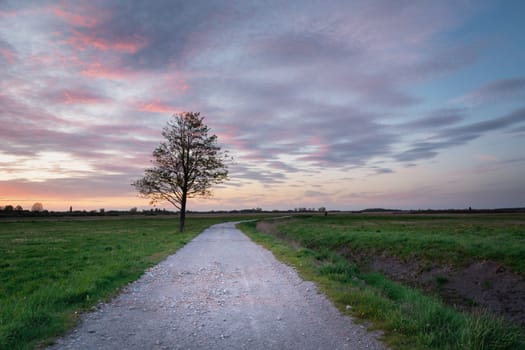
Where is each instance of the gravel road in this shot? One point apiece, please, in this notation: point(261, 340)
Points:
point(220, 291)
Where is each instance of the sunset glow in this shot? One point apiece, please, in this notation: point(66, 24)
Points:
point(336, 104)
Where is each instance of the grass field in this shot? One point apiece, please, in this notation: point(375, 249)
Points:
point(448, 239)
point(51, 269)
point(410, 318)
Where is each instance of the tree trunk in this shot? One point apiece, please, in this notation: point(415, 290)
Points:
point(182, 217)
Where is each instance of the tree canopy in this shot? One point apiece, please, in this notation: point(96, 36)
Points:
point(37, 207)
point(185, 165)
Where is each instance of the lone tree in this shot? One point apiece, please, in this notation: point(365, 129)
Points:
point(185, 165)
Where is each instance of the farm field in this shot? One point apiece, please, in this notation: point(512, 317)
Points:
point(429, 281)
point(50, 270)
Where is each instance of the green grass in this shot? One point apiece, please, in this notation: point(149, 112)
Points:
point(51, 270)
point(409, 319)
point(449, 239)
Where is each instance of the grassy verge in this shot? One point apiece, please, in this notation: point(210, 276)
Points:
point(51, 270)
point(409, 319)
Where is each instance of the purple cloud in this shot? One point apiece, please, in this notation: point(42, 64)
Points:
point(437, 119)
point(448, 137)
point(495, 91)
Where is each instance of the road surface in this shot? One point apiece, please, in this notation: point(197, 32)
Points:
point(220, 291)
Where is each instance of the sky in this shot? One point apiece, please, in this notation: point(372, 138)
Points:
point(339, 104)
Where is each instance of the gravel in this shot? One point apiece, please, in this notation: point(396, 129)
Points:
point(220, 291)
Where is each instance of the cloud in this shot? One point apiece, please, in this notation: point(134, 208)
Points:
point(380, 171)
point(111, 71)
point(86, 25)
point(300, 49)
point(292, 89)
point(26, 131)
point(316, 194)
point(48, 165)
point(437, 119)
point(78, 96)
point(156, 106)
point(72, 188)
point(496, 91)
point(448, 137)
point(130, 45)
point(248, 173)
point(7, 53)
point(518, 130)
point(282, 166)
point(282, 102)
point(152, 35)
point(79, 15)
point(475, 129)
point(421, 150)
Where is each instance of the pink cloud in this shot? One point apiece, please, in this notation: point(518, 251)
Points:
point(75, 19)
point(156, 106)
point(41, 60)
point(8, 13)
point(55, 56)
point(80, 97)
point(230, 136)
point(82, 41)
point(177, 85)
point(99, 70)
point(8, 55)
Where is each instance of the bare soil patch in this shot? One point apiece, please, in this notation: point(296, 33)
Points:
point(482, 284)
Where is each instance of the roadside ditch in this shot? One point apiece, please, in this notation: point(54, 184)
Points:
point(481, 285)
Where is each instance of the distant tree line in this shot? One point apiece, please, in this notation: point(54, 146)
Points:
point(310, 210)
point(10, 211)
point(18, 211)
point(36, 207)
point(466, 211)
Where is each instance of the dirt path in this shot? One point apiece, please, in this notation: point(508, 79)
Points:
point(221, 291)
